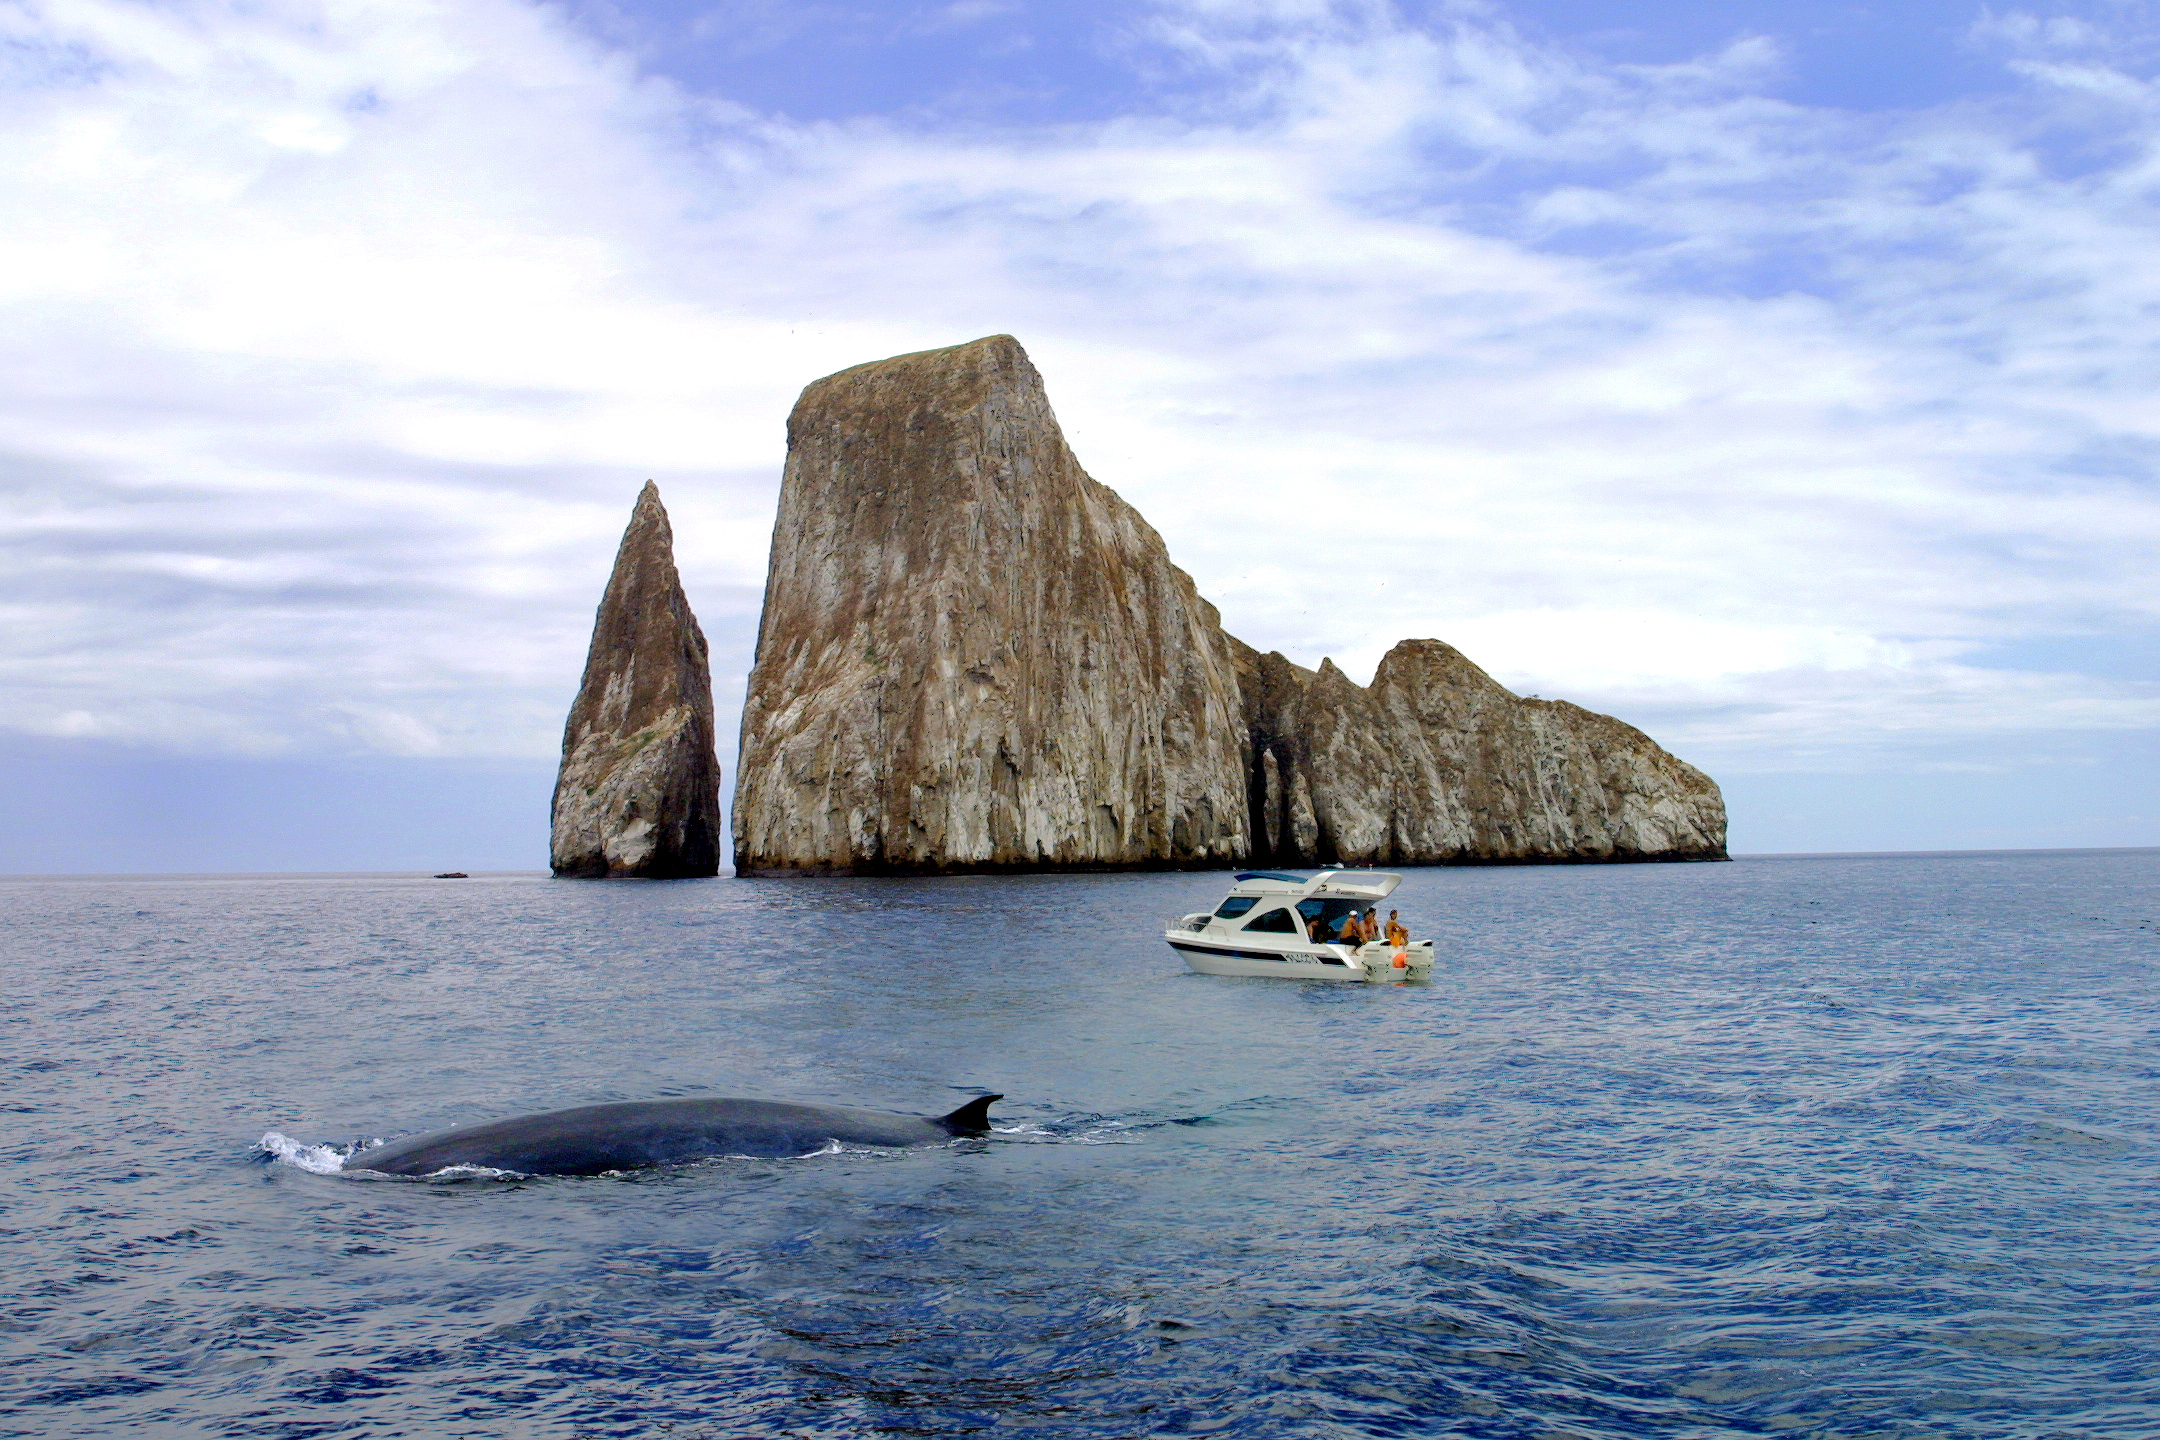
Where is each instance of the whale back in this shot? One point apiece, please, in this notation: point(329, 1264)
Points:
point(638, 1134)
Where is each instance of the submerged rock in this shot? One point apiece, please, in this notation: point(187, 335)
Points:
point(975, 657)
point(639, 790)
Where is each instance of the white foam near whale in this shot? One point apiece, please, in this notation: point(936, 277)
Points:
point(315, 1159)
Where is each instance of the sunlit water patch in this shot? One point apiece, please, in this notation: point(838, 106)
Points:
point(1857, 1147)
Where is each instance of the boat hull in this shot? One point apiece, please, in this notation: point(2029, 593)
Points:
point(1338, 963)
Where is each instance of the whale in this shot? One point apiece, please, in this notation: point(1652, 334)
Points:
point(641, 1134)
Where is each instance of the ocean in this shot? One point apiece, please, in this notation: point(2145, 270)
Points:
point(1805, 1147)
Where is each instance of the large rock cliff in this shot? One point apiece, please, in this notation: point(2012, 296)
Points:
point(639, 790)
point(975, 657)
point(1437, 763)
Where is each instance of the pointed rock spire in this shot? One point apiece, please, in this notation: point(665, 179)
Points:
point(639, 790)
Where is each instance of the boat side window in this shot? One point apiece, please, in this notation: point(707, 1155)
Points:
point(1278, 921)
point(1331, 913)
point(1235, 906)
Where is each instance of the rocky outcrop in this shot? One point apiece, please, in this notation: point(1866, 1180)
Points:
point(1437, 763)
point(974, 657)
point(639, 790)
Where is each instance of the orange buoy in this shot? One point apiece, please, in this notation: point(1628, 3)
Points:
point(1402, 961)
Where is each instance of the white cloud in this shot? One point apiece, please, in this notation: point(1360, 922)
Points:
point(337, 337)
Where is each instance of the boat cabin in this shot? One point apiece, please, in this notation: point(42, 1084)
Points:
point(1269, 902)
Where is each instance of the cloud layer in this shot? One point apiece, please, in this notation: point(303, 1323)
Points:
point(337, 338)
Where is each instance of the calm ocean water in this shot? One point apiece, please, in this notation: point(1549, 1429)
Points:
point(1802, 1147)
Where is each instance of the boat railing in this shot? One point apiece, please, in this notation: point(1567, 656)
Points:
point(1195, 921)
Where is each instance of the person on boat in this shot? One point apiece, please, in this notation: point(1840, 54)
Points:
point(1315, 931)
point(1397, 934)
point(1371, 926)
point(1352, 932)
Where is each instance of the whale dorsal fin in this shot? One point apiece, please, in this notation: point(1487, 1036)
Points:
point(972, 1118)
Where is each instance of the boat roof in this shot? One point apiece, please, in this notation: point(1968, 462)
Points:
point(1363, 884)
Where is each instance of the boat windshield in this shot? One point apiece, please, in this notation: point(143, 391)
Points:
point(1331, 913)
point(1235, 906)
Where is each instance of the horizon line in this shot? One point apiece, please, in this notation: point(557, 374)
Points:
point(730, 874)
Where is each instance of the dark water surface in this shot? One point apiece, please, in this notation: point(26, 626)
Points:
point(1803, 1147)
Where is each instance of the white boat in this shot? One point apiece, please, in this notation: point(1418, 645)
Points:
point(1265, 927)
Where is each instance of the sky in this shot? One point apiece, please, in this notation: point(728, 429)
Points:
point(1778, 377)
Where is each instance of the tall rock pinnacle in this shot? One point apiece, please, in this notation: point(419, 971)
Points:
point(639, 790)
point(974, 657)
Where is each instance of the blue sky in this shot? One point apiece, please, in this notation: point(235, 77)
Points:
point(1021, 63)
point(1777, 377)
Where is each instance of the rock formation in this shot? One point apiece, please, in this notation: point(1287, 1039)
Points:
point(639, 790)
point(1437, 763)
point(974, 657)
